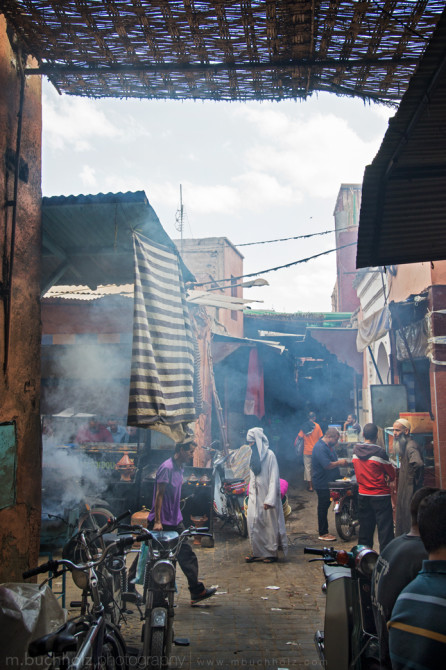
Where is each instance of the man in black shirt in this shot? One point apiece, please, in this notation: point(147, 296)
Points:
point(398, 564)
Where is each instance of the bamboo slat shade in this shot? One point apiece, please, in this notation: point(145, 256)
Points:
point(226, 50)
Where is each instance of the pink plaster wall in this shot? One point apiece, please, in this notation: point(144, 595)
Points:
point(410, 279)
point(20, 382)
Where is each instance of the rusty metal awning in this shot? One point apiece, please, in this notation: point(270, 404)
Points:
point(403, 209)
point(251, 50)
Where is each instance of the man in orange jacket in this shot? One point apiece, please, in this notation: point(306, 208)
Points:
point(307, 437)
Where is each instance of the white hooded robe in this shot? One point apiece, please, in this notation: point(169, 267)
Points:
point(266, 527)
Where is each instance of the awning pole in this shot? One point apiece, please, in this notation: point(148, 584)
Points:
point(374, 363)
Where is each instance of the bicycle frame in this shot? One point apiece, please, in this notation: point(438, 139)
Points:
point(92, 631)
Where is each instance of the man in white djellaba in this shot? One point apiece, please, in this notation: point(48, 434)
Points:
point(266, 522)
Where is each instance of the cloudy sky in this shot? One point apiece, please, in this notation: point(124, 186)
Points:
point(249, 172)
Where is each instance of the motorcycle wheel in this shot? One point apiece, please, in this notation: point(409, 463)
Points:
point(157, 658)
point(344, 523)
point(240, 519)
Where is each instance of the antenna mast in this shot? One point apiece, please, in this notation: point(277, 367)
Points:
point(179, 219)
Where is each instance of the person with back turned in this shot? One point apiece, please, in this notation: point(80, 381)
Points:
point(374, 472)
point(417, 627)
point(396, 566)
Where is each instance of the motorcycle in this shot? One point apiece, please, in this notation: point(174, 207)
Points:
point(158, 594)
point(229, 494)
point(344, 494)
point(349, 639)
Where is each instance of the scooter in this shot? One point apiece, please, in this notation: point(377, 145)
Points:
point(229, 494)
point(349, 640)
point(344, 494)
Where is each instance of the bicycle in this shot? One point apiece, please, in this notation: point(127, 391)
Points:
point(112, 574)
point(88, 641)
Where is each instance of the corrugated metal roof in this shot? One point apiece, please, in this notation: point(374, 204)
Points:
point(232, 50)
point(87, 239)
point(86, 293)
point(403, 207)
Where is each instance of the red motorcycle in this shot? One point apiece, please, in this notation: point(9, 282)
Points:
point(229, 494)
point(344, 494)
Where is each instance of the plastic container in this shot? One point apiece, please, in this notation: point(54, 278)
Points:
point(420, 422)
point(140, 518)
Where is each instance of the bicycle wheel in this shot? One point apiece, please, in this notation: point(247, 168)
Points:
point(94, 519)
point(114, 655)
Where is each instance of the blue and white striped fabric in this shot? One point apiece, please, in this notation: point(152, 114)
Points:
point(162, 372)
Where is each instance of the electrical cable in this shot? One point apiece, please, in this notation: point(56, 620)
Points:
point(297, 237)
point(279, 267)
point(285, 239)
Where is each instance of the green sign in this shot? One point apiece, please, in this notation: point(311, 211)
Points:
point(8, 462)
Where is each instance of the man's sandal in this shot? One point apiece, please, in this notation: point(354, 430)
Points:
point(270, 559)
point(252, 559)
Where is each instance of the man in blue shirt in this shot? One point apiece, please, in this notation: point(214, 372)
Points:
point(119, 433)
point(324, 465)
point(417, 628)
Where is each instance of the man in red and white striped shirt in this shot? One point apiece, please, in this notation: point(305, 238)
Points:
point(374, 472)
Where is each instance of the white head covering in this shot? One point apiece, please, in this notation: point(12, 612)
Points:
point(258, 436)
point(404, 422)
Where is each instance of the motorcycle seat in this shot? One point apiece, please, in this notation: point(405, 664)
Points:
point(335, 572)
point(342, 485)
point(237, 480)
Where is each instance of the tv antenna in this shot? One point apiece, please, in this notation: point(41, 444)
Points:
point(179, 219)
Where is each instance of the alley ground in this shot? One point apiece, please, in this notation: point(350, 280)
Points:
point(247, 624)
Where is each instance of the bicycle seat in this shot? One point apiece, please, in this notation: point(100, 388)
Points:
point(59, 641)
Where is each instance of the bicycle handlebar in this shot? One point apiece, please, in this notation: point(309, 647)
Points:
point(50, 566)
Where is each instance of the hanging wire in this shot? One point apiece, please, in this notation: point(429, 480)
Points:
point(278, 267)
point(284, 239)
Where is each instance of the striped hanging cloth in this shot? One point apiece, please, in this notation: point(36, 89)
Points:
point(162, 373)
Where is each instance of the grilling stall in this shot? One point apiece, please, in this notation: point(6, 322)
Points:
point(112, 347)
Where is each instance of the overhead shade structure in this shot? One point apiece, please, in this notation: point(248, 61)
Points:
point(251, 50)
point(341, 342)
point(403, 208)
point(87, 239)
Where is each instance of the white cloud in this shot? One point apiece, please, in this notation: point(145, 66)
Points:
point(311, 154)
point(257, 190)
point(88, 177)
point(78, 123)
